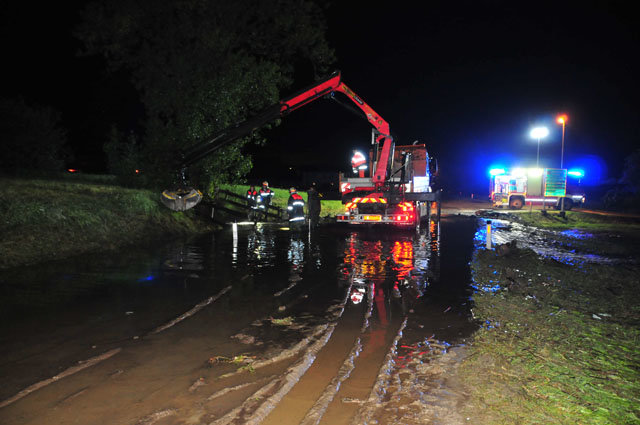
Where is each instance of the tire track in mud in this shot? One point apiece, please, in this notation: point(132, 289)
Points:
point(191, 312)
point(84, 364)
point(311, 399)
point(249, 397)
point(257, 406)
point(316, 412)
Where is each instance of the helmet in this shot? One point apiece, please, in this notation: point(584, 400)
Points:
point(292, 189)
point(265, 183)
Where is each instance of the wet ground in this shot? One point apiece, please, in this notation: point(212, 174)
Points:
point(268, 324)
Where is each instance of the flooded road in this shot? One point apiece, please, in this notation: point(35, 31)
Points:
point(266, 325)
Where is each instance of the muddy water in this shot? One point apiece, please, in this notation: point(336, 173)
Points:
point(309, 319)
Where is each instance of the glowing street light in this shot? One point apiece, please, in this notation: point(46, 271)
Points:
point(539, 133)
point(562, 119)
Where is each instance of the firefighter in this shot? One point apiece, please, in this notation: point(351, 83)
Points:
point(295, 206)
point(252, 195)
point(252, 203)
point(314, 205)
point(264, 198)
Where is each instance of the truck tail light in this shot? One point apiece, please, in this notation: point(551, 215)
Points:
point(403, 218)
point(406, 206)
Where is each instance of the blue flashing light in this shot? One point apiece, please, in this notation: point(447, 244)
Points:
point(497, 171)
point(147, 278)
point(576, 173)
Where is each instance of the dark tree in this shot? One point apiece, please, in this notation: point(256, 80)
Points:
point(31, 138)
point(200, 66)
point(626, 194)
point(631, 176)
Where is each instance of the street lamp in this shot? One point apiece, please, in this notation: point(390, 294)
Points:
point(539, 133)
point(562, 119)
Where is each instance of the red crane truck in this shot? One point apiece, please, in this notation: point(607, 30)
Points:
point(399, 191)
point(394, 194)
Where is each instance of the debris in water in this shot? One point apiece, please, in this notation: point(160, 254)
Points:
point(448, 308)
point(352, 400)
point(155, 417)
point(239, 359)
point(244, 338)
point(285, 321)
point(199, 383)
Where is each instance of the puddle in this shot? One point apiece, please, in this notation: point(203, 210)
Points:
point(570, 247)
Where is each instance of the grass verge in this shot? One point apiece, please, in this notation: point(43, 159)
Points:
point(50, 219)
point(577, 220)
point(559, 344)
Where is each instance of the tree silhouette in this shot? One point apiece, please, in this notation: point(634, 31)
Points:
point(200, 66)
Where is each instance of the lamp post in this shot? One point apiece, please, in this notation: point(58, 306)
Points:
point(539, 133)
point(562, 119)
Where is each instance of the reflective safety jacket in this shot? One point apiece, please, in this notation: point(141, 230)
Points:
point(264, 197)
point(252, 198)
point(295, 207)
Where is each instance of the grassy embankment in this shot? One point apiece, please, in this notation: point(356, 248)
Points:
point(559, 344)
point(329, 207)
point(578, 220)
point(50, 219)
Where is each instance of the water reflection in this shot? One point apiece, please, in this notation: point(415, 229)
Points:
point(183, 257)
point(261, 250)
point(390, 266)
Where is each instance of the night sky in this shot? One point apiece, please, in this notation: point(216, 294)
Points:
point(469, 79)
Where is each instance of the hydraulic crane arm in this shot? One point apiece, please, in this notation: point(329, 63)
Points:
point(286, 106)
point(328, 86)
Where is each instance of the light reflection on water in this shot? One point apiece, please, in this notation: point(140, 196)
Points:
point(562, 246)
point(577, 234)
point(394, 265)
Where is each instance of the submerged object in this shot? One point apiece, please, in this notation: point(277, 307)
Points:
point(181, 199)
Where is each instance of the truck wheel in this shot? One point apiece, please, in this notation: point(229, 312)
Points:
point(516, 203)
point(568, 204)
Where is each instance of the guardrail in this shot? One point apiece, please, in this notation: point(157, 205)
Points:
point(224, 199)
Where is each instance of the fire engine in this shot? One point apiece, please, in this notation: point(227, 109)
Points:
point(398, 191)
point(538, 186)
